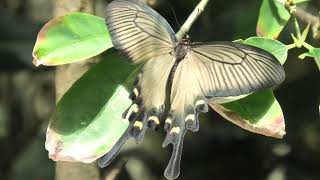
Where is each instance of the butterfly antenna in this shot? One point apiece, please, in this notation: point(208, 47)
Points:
point(174, 14)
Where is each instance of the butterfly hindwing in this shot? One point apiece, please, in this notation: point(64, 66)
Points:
point(148, 102)
point(138, 31)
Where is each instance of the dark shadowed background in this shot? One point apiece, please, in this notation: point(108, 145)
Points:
point(220, 150)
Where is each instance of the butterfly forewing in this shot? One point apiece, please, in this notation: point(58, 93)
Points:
point(138, 31)
point(220, 69)
point(232, 69)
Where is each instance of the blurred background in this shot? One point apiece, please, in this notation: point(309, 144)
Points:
point(220, 150)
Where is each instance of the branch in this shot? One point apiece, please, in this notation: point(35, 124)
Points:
point(308, 18)
point(304, 16)
point(193, 16)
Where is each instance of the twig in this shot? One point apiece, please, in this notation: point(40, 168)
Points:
point(308, 18)
point(192, 17)
point(318, 64)
point(304, 16)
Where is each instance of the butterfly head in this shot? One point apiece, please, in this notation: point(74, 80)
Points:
point(182, 47)
point(186, 40)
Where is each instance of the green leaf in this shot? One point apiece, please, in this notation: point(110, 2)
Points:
point(71, 38)
point(315, 53)
point(273, 17)
point(278, 49)
point(87, 121)
point(259, 113)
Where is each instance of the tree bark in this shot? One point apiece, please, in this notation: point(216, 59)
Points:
point(66, 75)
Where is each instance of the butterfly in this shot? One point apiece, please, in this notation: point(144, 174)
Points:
point(179, 78)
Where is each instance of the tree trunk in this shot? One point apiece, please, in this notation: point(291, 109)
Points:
point(66, 75)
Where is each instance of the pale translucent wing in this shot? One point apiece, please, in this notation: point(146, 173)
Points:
point(186, 103)
point(148, 102)
point(231, 69)
point(220, 69)
point(138, 31)
point(209, 71)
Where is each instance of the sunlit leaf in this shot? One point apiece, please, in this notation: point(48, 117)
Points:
point(71, 38)
point(314, 53)
point(87, 121)
point(273, 17)
point(259, 113)
point(278, 49)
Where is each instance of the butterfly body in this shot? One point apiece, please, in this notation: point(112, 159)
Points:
point(181, 49)
point(179, 78)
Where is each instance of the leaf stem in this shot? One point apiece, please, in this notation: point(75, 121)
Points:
point(303, 15)
point(318, 64)
point(291, 46)
point(297, 28)
point(307, 46)
point(192, 17)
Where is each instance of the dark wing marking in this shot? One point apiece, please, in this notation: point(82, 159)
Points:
point(138, 31)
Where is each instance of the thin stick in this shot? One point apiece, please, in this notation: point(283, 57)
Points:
point(309, 18)
point(304, 16)
point(193, 16)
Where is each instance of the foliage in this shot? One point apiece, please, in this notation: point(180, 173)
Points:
point(71, 38)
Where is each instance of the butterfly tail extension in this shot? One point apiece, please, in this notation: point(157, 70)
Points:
point(173, 168)
point(182, 117)
point(106, 159)
point(136, 129)
point(175, 135)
